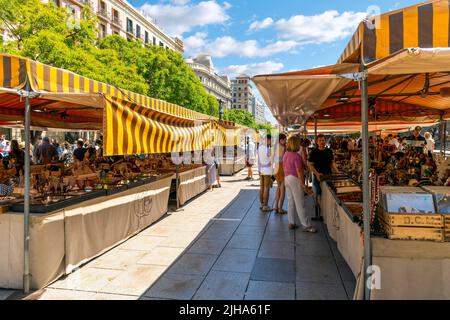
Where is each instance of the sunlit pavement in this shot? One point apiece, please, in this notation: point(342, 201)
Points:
point(220, 246)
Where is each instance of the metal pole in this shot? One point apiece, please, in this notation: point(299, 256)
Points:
point(366, 191)
point(26, 198)
point(315, 129)
point(177, 168)
point(445, 139)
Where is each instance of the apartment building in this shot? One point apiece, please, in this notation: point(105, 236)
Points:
point(242, 93)
point(121, 18)
point(217, 85)
point(258, 111)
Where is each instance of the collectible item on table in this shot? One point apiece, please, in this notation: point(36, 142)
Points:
point(441, 197)
point(408, 200)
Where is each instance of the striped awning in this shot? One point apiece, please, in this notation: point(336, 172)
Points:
point(425, 25)
point(132, 123)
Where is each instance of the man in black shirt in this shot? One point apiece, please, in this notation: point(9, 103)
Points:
point(320, 162)
point(80, 151)
point(46, 152)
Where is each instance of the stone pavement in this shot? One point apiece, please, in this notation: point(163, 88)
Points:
point(220, 246)
point(5, 294)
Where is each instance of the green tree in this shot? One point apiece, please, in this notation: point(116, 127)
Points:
point(49, 34)
point(240, 116)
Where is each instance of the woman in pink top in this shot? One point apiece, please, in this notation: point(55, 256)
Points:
point(295, 185)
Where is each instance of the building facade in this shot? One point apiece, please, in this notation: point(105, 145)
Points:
point(258, 111)
point(121, 18)
point(218, 86)
point(242, 92)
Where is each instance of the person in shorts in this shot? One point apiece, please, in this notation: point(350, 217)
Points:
point(280, 149)
point(250, 158)
point(265, 172)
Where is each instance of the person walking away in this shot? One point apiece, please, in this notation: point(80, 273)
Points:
point(211, 169)
point(80, 152)
point(46, 152)
point(295, 186)
point(250, 158)
point(430, 146)
point(18, 155)
point(277, 159)
point(321, 162)
point(265, 172)
point(305, 143)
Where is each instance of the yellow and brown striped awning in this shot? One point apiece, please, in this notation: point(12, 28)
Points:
point(132, 123)
point(425, 25)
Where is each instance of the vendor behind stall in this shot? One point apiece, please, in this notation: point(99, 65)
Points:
point(321, 163)
point(80, 152)
point(46, 152)
point(416, 139)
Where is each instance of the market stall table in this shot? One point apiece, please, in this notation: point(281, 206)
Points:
point(70, 237)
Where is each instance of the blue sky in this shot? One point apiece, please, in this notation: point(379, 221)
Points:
point(265, 36)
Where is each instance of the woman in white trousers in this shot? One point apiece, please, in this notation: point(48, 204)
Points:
point(295, 185)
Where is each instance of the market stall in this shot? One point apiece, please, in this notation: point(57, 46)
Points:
point(388, 77)
point(60, 208)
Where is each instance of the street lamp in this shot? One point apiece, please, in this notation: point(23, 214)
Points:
point(220, 109)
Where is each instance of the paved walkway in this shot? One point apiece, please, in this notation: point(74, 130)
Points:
point(219, 247)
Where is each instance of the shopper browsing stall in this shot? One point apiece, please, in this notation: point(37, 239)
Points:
point(295, 185)
point(321, 163)
point(80, 152)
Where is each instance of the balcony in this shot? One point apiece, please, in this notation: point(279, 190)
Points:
point(131, 31)
point(102, 13)
point(83, 3)
point(116, 21)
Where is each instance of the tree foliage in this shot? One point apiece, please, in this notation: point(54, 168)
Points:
point(51, 35)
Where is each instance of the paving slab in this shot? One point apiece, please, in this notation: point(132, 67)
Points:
point(159, 231)
point(320, 291)
point(221, 285)
point(161, 256)
point(277, 236)
point(194, 264)
point(313, 248)
point(317, 269)
point(250, 230)
point(242, 241)
point(350, 287)
point(265, 290)
point(236, 260)
point(181, 239)
point(175, 286)
point(141, 243)
point(87, 279)
point(135, 281)
point(208, 246)
point(274, 270)
point(277, 250)
point(118, 259)
point(4, 293)
point(61, 294)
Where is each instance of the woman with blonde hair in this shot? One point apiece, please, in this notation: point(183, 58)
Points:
point(295, 185)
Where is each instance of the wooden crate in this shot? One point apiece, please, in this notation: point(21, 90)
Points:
point(414, 220)
point(414, 233)
point(447, 227)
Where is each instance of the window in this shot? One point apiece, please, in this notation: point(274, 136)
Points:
point(102, 9)
point(102, 31)
point(161, 44)
point(129, 25)
point(57, 2)
point(154, 41)
point(115, 17)
point(138, 31)
point(146, 36)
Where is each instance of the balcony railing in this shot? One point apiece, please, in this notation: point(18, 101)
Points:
point(103, 13)
point(131, 31)
point(116, 21)
point(85, 3)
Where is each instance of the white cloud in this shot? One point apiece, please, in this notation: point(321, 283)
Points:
point(226, 46)
point(326, 27)
point(181, 16)
point(261, 24)
point(253, 69)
